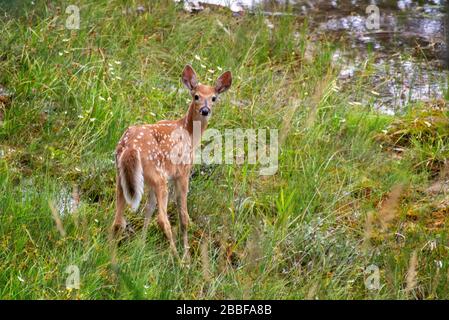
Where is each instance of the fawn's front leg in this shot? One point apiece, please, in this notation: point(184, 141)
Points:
point(182, 187)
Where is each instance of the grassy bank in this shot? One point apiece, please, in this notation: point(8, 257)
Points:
point(352, 189)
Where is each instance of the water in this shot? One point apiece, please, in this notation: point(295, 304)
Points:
point(67, 202)
point(407, 50)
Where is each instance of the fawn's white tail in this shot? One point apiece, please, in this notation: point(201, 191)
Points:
point(131, 177)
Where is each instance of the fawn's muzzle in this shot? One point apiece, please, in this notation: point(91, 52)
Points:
point(204, 111)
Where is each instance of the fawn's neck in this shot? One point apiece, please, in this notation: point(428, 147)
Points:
point(188, 120)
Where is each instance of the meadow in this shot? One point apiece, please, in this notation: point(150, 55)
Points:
point(358, 193)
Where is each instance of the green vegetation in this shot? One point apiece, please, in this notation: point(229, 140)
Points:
point(352, 189)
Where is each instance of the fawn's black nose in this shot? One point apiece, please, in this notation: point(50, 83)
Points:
point(204, 111)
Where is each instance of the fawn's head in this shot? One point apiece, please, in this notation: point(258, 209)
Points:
point(204, 96)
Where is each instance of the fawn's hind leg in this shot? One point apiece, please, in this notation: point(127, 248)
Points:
point(151, 206)
point(162, 218)
point(119, 220)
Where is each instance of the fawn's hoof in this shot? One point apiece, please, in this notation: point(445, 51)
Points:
point(129, 230)
point(120, 231)
point(116, 230)
point(186, 259)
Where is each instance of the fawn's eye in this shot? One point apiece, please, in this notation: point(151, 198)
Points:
point(197, 97)
point(214, 98)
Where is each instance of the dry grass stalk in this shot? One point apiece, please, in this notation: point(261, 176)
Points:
point(75, 197)
point(311, 294)
point(113, 242)
point(222, 240)
point(388, 210)
point(368, 228)
point(317, 96)
point(57, 219)
point(254, 251)
point(205, 264)
point(287, 120)
point(444, 173)
point(76, 202)
point(412, 272)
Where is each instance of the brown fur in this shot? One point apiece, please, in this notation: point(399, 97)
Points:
point(128, 164)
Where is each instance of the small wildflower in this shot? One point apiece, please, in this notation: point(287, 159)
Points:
point(269, 24)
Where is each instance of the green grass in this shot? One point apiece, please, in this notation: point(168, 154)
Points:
point(301, 233)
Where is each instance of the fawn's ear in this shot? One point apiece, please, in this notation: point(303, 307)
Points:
point(223, 82)
point(189, 78)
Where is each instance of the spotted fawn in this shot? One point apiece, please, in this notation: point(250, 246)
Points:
point(154, 154)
